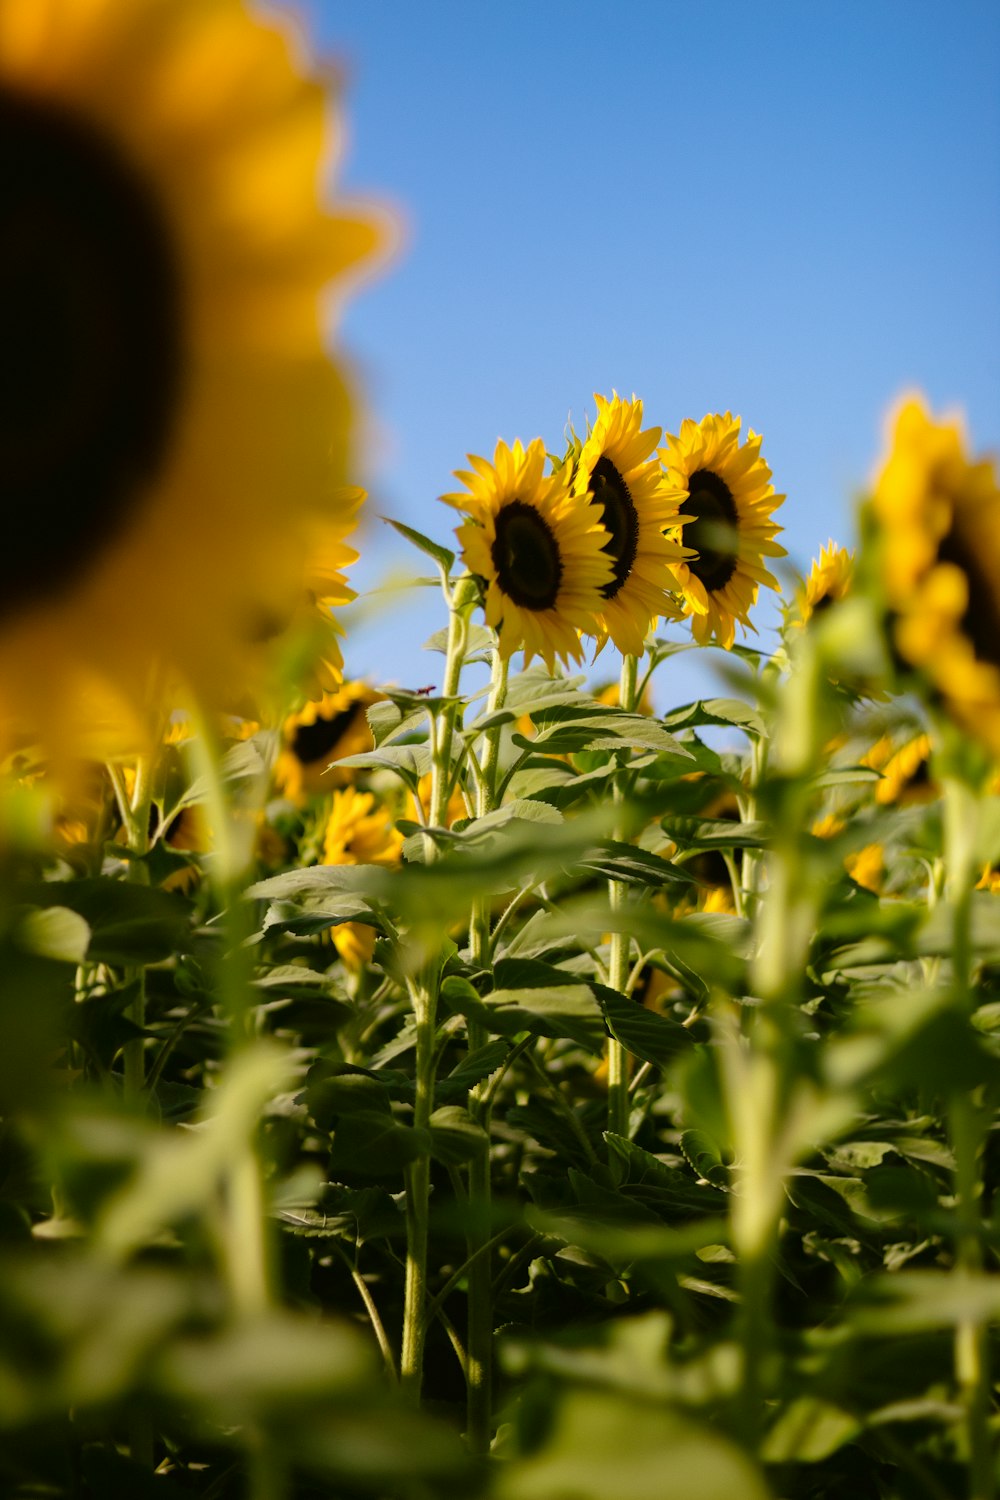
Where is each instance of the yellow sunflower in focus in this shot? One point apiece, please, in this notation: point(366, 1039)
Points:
point(328, 729)
point(728, 501)
point(829, 581)
point(172, 434)
point(359, 831)
point(618, 468)
point(939, 519)
point(537, 548)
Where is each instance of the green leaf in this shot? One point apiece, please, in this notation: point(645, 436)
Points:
point(912, 1302)
point(180, 1171)
point(533, 690)
point(635, 866)
point(715, 833)
point(408, 761)
point(384, 719)
point(705, 1157)
point(645, 1033)
point(602, 1444)
point(54, 932)
point(478, 643)
point(444, 559)
point(269, 1364)
point(328, 1098)
point(808, 1431)
point(721, 711)
point(369, 881)
point(550, 1127)
point(371, 1143)
point(631, 1165)
point(455, 1136)
point(129, 924)
point(473, 1068)
point(563, 1010)
point(241, 762)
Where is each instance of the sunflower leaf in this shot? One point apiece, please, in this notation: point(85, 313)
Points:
point(721, 711)
point(444, 559)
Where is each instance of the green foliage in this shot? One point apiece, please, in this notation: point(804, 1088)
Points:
point(329, 1176)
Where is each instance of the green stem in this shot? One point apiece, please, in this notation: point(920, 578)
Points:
point(137, 835)
point(479, 1336)
point(758, 1044)
point(618, 963)
point(443, 726)
point(966, 1124)
point(378, 1327)
point(423, 996)
point(246, 1246)
point(418, 1183)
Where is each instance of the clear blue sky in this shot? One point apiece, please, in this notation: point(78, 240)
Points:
point(791, 210)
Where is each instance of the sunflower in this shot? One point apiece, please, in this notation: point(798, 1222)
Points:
point(829, 581)
point(328, 729)
point(867, 867)
point(327, 590)
point(539, 551)
point(172, 432)
point(728, 501)
point(617, 467)
point(359, 831)
point(905, 771)
point(939, 520)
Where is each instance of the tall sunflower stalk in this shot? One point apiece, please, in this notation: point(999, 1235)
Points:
point(135, 809)
point(539, 550)
point(479, 1351)
point(967, 1121)
point(760, 1073)
point(423, 990)
point(244, 1238)
point(618, 959)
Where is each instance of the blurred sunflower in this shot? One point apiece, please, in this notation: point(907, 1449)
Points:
point(906, 774)
point(171, 431)
point(617, 468)
point(939, 520)
point(728, 500)
point(328, 729)
point(327, 590)
point(539, 551)
point(867, 867)
point(359, 831)
point(829, 581)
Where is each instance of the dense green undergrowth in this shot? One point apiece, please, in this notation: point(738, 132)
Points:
point(650, 1149)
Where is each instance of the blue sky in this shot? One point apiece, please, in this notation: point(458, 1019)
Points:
point(787, 210)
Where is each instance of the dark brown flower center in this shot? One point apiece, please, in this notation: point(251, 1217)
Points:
point(90, 348)
point(313, 742)
point(526, 556)
point(713, 530)
point(981, 620)
point(620, 519)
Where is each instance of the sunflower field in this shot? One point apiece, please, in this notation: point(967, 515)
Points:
point(503, 1088)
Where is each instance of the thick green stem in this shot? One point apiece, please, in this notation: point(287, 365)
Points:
point(245, 1243)
point(418, 1182)
point(758, 1052)
point(137, 835)
point(424, 995)
point(618, 963)
point(972, 1370)
point(443, 726)
point(479, 1337)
